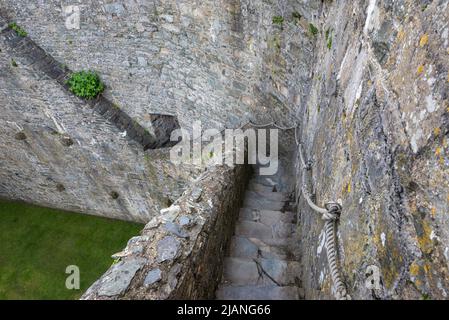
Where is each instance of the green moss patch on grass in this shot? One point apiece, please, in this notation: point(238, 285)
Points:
point(37, 244)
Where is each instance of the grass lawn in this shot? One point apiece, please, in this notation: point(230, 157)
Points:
point(37, 244)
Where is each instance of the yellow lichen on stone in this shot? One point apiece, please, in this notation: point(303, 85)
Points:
point(437, 151)
point(414, 269)
point(426, 268)
point(348, 189)
point(437, 131)
point(420, 69)
point(434, 212)
point(401, 35)
point(424, 40)
point(424, 241)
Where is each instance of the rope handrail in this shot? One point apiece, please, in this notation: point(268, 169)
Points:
point(330, 214)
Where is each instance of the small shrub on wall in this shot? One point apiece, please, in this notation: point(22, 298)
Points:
point(85, 84)
point(18, 29)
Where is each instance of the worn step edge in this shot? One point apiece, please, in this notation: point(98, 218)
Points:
point(229, 292)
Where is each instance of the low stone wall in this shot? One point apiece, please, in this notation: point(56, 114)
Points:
point(179, 254)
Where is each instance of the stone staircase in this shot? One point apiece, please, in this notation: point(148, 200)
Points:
point(261, 264)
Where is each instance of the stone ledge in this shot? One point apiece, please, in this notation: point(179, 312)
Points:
point(36, 57)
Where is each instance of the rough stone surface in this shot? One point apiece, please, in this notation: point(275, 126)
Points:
point(251, 262)
point(185, 267)
point(375, 124)
point(368, 93)
point(63, 143)
point(153, 276)
point(120, 276)
point(167, 248)
point(195, 59)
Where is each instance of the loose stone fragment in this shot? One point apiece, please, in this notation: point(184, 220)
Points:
point(153, 276)
point(119, 277)
point(167, 248)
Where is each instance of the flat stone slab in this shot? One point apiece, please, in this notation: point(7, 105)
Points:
point(268, 181)
point(257, 293)
point(242, 247)
point(241, 271)
point(261, 231)
point(266, 217)
point(167, 248)
point(273, 196)
point(255, 186)
point(119, 277)
point(260, 203)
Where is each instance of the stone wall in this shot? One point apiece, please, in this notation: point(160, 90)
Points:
point(179, 254)
point(28, 53)
point(365, 82)
point(375, 124)
point(221, 62)
point(215, 61)
point(57, 152)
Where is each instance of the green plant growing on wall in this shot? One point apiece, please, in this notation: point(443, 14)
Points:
point(85, 84)
point(313, 30)
point(18, 29)
point(329, 43)
point(329, 38)
point(14, 63)
point(279, 20)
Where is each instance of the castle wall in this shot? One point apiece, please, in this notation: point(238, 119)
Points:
point(57, 152)
point(215, 61)
point(198, 60)
point(368, 93)
point(375, 125)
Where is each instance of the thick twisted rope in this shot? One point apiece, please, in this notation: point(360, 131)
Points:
point(330, 214)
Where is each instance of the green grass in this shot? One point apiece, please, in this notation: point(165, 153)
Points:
point(37, 244)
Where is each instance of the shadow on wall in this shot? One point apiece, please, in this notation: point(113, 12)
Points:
point(162, 126)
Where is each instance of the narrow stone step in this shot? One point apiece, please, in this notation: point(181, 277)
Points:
point(266, 217)
point(241, 271)
point(254, 202)
point(261, 231)
point(273, 196)
point(268, 181)
point(243, 247)
point(255, 186)
point(257, 293)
